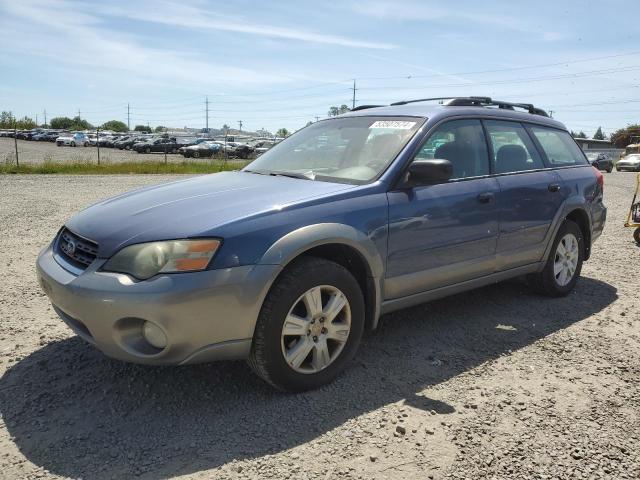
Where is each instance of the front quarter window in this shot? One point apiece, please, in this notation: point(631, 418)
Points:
point(350, 149)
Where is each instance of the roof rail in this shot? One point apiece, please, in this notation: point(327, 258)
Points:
point(480, 102)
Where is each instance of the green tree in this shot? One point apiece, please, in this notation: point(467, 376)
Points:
point(581, 134)
point(159, 129)
point(6, 120)
point(334, 111)
point(225, 127)
point(598, 135)
point(626, 136)
point(283, 132)
point(61, 123)
point(142, 128)
point(25, 123)
point(66, 123)
point(115, 126)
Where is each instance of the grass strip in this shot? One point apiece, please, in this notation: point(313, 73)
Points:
point(105, 168)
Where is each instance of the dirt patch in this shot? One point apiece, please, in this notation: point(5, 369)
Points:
point(494, 383)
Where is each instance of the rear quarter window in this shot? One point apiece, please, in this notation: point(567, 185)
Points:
point(561, 150)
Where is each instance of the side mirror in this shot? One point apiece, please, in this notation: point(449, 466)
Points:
point(427, 172)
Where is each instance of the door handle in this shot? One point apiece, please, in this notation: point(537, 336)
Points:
point(553, 187)
point(485, 197)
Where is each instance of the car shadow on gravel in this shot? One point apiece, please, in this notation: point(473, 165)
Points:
point(77, 413)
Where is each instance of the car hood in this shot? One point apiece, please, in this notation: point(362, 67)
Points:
point(190, 208)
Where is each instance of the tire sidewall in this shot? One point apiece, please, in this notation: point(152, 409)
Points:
point(281, 373)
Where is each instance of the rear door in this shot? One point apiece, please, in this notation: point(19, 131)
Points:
point(444, 234)
point(530, 194)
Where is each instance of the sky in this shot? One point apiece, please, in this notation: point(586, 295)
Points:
point(284, 63)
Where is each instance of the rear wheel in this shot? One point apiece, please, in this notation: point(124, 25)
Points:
point(73, 144)
point(196, 154)
point(309, 326)
point(147, 150)
point(564, 264)
point(636, 235)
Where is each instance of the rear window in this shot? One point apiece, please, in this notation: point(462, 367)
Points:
point(560, 148)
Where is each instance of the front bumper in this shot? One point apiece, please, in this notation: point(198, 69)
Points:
point(206, 316)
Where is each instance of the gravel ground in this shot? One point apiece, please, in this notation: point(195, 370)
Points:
point(494, 383)
point(38, 152)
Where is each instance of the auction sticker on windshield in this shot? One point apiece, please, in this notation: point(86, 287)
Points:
point(394, 124)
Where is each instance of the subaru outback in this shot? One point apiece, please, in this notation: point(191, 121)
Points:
point(288, 261)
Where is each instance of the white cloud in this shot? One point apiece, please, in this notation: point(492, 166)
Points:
point(426, 11)
point(186, 15)
point(57, 30)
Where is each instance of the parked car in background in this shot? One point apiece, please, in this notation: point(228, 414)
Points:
point(130, 142)
point(167, 145)
point(629, 163)
point(261, 146)
point(602, 161)
point(73, 140)
point(118, 142)
point(205, 149)
point(287, 262)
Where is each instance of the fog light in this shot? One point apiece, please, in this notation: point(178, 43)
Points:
point(154, 335)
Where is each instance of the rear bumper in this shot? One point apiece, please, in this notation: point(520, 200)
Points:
point(205, 316)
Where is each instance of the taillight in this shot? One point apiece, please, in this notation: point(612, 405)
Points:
point(600, 179)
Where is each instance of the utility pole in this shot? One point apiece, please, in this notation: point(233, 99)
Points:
point(128, 118)
point(206, 110)
point(15, 139)
point(353, 103)
point(45, 117)
point(36, 119)
point(317, 118)
point(240, 124)
point(79, 114)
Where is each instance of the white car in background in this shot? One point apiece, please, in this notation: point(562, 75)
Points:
point(73, 140)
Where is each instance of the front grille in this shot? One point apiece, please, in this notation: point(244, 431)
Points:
point(75, 249)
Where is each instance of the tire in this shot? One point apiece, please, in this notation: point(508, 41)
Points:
point(86, 144)
point(72, 144)
point(610, 169)
point(267, 357)
point(147, 150)
point(636, 235)
point(196, 154)
point(547, 281)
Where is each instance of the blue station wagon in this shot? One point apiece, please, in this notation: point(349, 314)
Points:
point(286, 262)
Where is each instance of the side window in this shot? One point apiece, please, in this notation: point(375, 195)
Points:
point(513, 150)
point(561, 150)
point(462, 143)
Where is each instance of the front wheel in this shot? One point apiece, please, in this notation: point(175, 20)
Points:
point(564, 264)
point(636, 235)
point(73, 144)
point(309, 326)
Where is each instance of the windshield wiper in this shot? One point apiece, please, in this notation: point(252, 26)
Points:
point(301, 176)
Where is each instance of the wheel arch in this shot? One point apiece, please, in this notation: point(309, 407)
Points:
point(341, 244)
point(581, 218)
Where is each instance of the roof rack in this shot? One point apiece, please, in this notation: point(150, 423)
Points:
point(480, 102)
point(364, 107)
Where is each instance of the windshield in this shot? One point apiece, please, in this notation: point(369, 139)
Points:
point(350, 150)
point(633, 158)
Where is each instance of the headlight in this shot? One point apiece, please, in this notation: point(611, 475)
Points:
point(145, 260)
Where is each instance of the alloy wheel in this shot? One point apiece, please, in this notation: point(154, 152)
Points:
point(566, 259)
point(316, 329)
